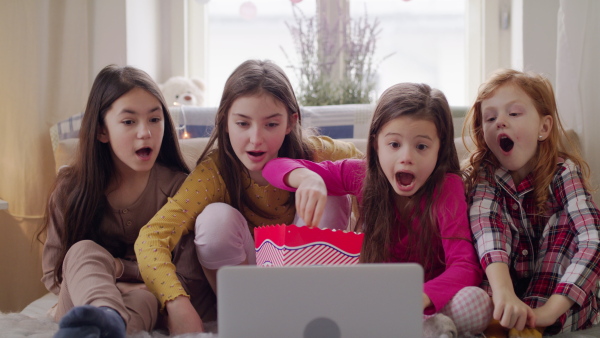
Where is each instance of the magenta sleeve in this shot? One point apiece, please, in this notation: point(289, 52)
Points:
point(462, 265)
point(341, 177)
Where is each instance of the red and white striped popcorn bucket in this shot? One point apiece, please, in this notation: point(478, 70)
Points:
point(290, 245)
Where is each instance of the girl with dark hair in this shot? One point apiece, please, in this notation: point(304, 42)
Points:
point(226, 196)
point(127, 164)
point(412, 202)
point(532, 215)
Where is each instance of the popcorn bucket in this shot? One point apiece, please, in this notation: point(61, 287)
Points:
point(290, 245)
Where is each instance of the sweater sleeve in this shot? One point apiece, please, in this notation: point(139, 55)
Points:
point(492, 237)
point(462, 266)
point(328, 149)
point(583, 218)
point(176, 218)
point(52, 248)
point(341, 177)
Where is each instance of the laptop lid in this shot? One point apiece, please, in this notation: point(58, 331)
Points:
point(364, 300)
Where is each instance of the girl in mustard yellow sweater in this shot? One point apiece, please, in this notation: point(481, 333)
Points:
point(226, 196)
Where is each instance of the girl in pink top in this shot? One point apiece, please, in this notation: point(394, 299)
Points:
point(412, 203)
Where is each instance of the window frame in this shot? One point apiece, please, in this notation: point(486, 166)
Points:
point(489, 38)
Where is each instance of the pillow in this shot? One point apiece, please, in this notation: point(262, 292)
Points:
point(191, 149)
point(65, 129)
point(359, 143)
point(65, 152)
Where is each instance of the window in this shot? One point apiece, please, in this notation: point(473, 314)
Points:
point(241, 30)
point(426, 41)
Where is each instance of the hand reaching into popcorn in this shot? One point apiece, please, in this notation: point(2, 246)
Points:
point(311, 194)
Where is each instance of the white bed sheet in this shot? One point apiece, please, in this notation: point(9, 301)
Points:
point(45, 327)
point(38, 309)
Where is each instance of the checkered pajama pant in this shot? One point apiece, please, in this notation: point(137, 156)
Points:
point(470, 309)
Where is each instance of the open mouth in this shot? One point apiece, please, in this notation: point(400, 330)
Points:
point(256, 153)
point(144, 153)
point(404, 178)
point(506, 144)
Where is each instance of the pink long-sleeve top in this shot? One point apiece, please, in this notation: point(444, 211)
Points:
point(458, 267)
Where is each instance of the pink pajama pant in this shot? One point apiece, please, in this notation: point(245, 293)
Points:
point(223, 237)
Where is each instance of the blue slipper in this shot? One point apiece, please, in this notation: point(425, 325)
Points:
point(86, 317)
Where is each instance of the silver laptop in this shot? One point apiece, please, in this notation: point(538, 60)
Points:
point(364, 300)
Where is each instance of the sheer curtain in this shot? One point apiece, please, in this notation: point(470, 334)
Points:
point(43, 78)
point(578, 76)
point(44, 67)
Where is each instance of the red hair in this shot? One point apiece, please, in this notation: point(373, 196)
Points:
point(556, 145)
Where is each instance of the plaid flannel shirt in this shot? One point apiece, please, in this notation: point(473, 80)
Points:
point(554, 254)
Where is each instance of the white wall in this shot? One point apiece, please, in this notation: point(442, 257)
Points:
point(534, 36)
point(143, 25)
point(519, 34)
point(147, 34)
point(108, 43)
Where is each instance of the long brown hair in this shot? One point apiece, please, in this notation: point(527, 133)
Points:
point(378, 213)
point(254, 77)
point(557, 144)
point(79, 191)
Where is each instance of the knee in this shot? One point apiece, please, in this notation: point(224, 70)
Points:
point(479, 313)
point(216, 217)
point(82, 247)
point(222, 236)
point(477, 297)
point(479, 294)
point(86, 250)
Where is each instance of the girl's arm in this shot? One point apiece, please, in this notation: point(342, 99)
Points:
point(462, 268)
point(127, 271)
point(52, 245)
point(177, 217)
point(312, 182)
point(583, 218)
point(52, 249)
point(311, 194)
point(340, 177)
point(493, 239)
point(508, 308)
point(182, 317)
point(548, 313)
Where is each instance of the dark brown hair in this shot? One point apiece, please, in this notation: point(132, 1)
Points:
point(254, 77)
point(378, 216)
point(79, 191)
point(557, 144)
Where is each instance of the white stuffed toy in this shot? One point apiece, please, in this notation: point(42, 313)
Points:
point(183, 91)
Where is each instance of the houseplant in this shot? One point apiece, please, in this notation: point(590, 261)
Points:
point(335, 58)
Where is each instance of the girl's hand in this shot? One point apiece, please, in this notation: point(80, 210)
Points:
point(182, 317)
point(311, 195)
point(426, 301)
point(511, 311)
point(548, 313)
point(118, 267)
